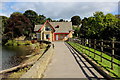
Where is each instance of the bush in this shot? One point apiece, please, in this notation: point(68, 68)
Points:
point(16, 43)
point(20, 43)
point(28, 43)
point(10, 42)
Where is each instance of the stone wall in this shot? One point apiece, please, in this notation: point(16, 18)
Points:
point(40, 66)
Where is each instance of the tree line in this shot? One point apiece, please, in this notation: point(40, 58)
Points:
point(100, 26)
point(22, 24)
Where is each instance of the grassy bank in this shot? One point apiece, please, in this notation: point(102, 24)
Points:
point(105, 63)
point(17, 43)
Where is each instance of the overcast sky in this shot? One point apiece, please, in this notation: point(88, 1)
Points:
point(58, 10)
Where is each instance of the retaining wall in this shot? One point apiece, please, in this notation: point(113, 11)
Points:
point(39, 67)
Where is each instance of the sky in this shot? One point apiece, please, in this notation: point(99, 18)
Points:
point(60, 9)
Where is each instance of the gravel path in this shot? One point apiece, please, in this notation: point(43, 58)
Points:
point(66, 63)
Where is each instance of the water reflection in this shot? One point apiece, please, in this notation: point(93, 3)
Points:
point(0, 57)
point(12, 56)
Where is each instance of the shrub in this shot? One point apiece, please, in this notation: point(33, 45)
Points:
point(28, 43)
point(10, 42)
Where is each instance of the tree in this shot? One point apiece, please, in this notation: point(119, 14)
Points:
point(41, 19)
point(92, 26)
point(54, 20)
point(49, 19)
point(18, 25)
point(111, 27)
point(61, 20)
point(76, 20)
point(32, 15)
point(96, 24)
point(76, 31)
point(100, 26)
point(84, 28)
point(3, 20)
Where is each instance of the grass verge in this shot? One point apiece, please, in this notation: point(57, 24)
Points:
point(104, 63)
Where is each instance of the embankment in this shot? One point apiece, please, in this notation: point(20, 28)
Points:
point(39, 67)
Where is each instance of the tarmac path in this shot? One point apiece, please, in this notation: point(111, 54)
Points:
point(66, 63)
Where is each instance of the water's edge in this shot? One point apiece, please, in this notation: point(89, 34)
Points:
point(12, 56)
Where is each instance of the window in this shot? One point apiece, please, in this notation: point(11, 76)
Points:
point(47, 28)
point(57, 26)
point(38, 35)
point(47, 36)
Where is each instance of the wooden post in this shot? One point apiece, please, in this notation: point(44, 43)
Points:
point(70, 40)
point(85, 42)
point(89, 43)
point(82, 44)
point(79, 41)
point(94, 47)
point(101, 50)
point(85, 45)
point(82, 41)
point(113, 52)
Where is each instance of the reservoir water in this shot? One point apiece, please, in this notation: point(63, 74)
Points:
point(12, 56)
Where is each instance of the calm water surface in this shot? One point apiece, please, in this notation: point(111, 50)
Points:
point(13, 56)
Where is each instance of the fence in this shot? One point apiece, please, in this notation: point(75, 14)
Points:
point(110, 48)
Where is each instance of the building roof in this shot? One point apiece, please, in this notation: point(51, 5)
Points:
point(64, 27)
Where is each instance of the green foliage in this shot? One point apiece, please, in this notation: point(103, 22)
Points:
point(35, 18)
point(16, 14)
point(100, 26)
point(49, 19)
point(61, 20)
point(16, 43)
point(3, 23)
point(76, 20)
point(32, 16)
point(76, 31)
point(28, 42)
point(10, 42)
point(17, 25)
point(41, 19)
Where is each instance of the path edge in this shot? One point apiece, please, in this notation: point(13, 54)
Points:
point(37, 70)
point(94, 64)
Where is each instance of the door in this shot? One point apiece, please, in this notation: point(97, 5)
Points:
point(56, 37)
point(48, 37)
